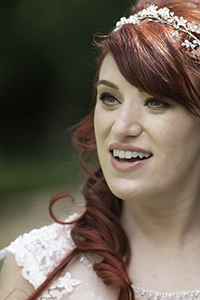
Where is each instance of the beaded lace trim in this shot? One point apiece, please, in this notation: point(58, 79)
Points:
point(152, 295)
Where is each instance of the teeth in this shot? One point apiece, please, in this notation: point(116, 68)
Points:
point(116, 153)
point(141, 155)
point(121, 154)
point(135, 154)
point(129, 154)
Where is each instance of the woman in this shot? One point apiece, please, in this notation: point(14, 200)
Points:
point(141, 225)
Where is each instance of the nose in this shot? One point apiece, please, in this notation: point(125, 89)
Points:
point(128, 121)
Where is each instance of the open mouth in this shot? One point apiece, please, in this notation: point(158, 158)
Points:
point(129, 156)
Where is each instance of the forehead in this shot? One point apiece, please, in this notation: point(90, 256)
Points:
point(111, 76)
point(109, 71)
point(108, 67)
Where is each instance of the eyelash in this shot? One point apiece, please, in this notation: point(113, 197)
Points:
point(161, 104)
point(107, 95)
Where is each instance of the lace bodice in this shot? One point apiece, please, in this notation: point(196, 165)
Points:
point(39, 251)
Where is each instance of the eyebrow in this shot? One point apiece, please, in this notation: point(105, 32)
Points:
point(107, 83)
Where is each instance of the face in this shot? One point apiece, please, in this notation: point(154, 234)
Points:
point(147, 149)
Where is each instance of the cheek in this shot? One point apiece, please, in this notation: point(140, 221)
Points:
point(176, 131)
point(97, 126)
point(176, 138)
point(179, 146)
point(102, 123)
point(99, 129)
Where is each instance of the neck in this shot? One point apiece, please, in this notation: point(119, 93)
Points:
point(164, 221)
point(164, 244)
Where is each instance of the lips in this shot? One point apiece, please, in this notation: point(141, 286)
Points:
point(127, 157)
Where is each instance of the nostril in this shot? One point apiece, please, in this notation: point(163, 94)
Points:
point(127, 128)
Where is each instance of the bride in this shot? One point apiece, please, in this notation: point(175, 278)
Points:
point(139, 233)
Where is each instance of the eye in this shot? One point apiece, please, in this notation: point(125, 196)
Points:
point(108, 99)
point(156, 104)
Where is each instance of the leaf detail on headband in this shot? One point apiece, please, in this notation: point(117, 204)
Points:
point(163, 15)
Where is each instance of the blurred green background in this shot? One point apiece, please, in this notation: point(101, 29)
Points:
point(47, 65)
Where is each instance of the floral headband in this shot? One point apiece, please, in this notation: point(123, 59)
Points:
point(163, 15)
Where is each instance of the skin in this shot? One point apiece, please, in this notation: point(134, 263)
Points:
point(15, 286)
point(161, 209)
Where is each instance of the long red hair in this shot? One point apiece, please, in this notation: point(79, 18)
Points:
point(150, 58)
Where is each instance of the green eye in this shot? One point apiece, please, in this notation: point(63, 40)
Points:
point(108, 99)
point(156, 104)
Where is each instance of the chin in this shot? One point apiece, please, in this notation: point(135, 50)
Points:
point(126, 192)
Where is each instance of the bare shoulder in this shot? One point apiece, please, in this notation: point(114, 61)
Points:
point(91, 286)
point(12, 283)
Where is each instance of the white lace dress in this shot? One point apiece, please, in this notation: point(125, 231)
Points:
point(39, 251)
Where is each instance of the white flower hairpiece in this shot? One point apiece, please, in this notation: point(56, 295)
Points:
point(163, 15)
